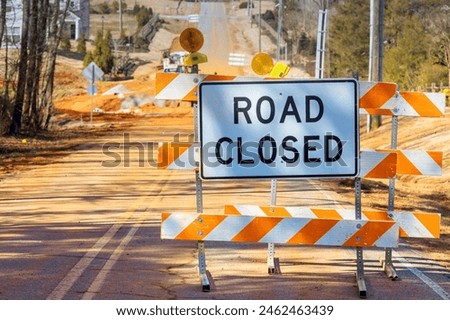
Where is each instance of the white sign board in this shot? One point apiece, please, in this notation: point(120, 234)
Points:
point(279, 129)
point(92, 72)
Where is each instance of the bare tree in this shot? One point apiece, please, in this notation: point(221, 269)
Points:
point(2, 20)
point(42, 27)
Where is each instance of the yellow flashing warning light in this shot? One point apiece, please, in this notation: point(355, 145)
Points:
point(262, 63)
point(195, 58)
point(280, 70)
point(191, 39)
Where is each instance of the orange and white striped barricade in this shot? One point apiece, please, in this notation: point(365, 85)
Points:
point(378, 164)
point(178, 155)
point(376, 95)
point(418, 162)
point(184, 86)
point(415, 104)
point(376, 98)
point(411, 224)
point(381, 233)
point(183, 156)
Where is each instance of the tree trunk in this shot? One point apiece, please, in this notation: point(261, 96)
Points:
point(2, 20)
point(28, 125)
point(377, 52)
point(22, 72)
point(55, 35)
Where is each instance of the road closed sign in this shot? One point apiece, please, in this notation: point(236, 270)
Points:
point(279, 129)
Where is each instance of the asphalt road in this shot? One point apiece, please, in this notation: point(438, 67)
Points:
point(78, 229)
point(88, 227)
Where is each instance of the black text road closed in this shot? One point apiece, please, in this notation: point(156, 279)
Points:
point(279, 129)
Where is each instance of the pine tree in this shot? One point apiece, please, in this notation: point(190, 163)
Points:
point(81, 44)
point(88, 58)
point(349, 39)
point(103, 55)
point(403, 62)
point(65, 44)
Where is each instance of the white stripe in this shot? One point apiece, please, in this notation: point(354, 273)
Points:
point(433, 285)
point(176, 223)
point(186, 161)
point(285, 230)
point(389, 239)
point(100, 279)
point(229, 228)
point(179, 87)
point(390, 104)
point(242, 55)
point(438, 99)
point(369, 160)
point(249, 210)
point(341, 232)
point(349, 214)
point(72, 276)
point(75, 273)
point(423, 162)
point(364, 87)
point(403, 108)
point(411, 225)
point(298, 212)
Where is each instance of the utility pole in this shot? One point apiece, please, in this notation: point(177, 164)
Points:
point(120, 19)
point(321, 40)
point(376, 50)
point(280, 27)
point(260, 27)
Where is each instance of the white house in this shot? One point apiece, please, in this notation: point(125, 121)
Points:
point(76, 22)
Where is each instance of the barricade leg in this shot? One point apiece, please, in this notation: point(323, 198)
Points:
point(387, 264)
point(202, 267)
point(360, 273)
point(271, 258)
point(359, 251)
point(271, 246)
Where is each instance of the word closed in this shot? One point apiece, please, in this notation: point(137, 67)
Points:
point(279, 129)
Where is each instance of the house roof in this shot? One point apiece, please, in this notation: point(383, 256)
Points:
point(72, 16)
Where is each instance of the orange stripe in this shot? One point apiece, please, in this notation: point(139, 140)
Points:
point(163, 80)
point(430, 221)
point(377, 215)
point(256, 229)
point(402, 233)
point(404, 165)
point(215, 77)
point(164, 216)
point(436, 156)
point(378, 95)
point(201, 227)
point(420, 102)
point(231, 210)
point(386, 169)
point(170, 151)
point(276, 212)
point(327, 214)
point(193, 96)
point(380, 112)
point(369, 233)
point(312, 231)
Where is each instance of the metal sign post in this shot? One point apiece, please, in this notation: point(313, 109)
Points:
point(92, 73)
point(271, 246)
point(387, 263)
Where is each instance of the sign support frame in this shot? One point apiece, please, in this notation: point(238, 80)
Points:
point(387, 263)
point(271, 269)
